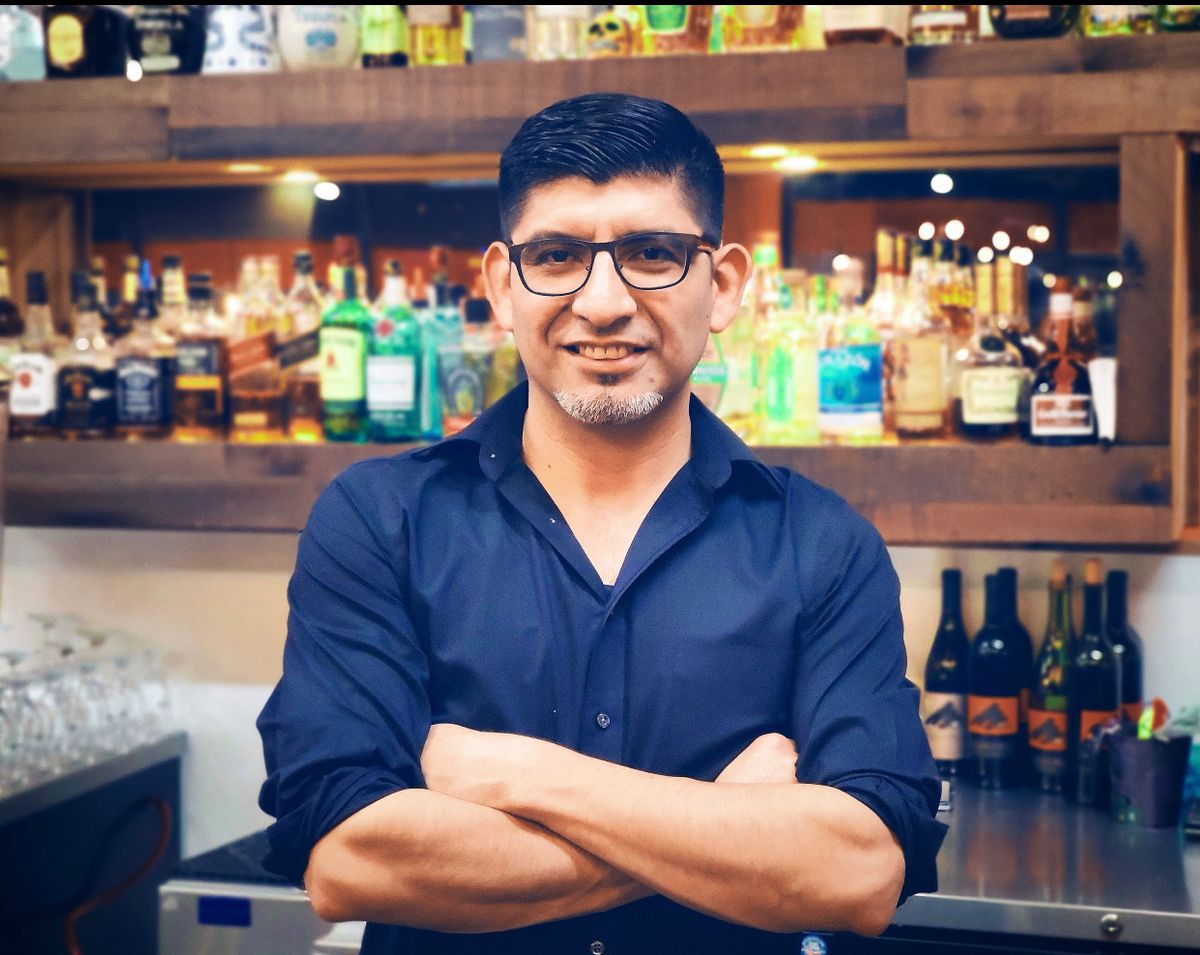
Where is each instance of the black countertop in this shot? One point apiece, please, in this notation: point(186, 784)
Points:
point(1023, 863)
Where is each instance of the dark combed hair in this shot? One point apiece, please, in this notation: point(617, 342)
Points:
point(601, 136)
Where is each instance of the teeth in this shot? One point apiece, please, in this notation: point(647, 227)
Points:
point(604, 352)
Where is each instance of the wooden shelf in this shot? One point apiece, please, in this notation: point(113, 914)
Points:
point(940, 493)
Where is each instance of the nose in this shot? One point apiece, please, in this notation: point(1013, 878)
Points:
point(605, 298)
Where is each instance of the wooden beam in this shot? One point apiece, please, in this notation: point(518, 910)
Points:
point(1152, 330)
point(38, 228)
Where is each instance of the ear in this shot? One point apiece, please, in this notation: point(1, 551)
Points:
point(497, 283)
point(732, 266)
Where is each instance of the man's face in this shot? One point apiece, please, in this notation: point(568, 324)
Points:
point(610, 353)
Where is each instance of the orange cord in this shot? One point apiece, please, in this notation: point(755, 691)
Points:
point(160, 847)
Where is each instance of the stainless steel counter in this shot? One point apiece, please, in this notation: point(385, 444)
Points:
point(1021, 863)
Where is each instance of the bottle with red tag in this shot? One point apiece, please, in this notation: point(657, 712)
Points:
point(1092, 695)
point(995, 678)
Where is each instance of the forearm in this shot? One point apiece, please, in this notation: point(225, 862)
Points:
point(780, 857)
point(427, 860)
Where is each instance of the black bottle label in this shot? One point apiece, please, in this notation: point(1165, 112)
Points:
point(142, 391)
point(85, 398)
point(198, 358)
point(300, 349)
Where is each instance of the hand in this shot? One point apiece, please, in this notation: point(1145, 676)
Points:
point(472, 765)
point(769, 759)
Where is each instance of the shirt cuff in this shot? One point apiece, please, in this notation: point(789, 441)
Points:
point(911, 819)
point(292, 836)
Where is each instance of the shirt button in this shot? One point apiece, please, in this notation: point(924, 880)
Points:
point(597, 948)
point(603, 721)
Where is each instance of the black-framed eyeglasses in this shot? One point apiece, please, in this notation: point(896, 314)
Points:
point(647, 261)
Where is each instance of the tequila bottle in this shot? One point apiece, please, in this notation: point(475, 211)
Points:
point(920, 355)
point(298, 356)
point(345, 329)
point(202, 366)
point(145, 366)
point(394, 364)
point(86, 382)
point(33, 401)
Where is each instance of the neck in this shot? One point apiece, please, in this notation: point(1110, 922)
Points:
point(605, 462)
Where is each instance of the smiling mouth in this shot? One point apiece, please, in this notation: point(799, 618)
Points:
point(604, 352)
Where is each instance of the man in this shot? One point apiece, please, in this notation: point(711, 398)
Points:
point(588, 676)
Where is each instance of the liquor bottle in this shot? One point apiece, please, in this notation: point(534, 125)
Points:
point(885, 301)
point(1125, 643)
point(993, 374)
point(790, 371)
point(256, 407)
point(441, 325)
point(96, 275)
point(670, 29)
point(120, 318)
point(33, 401)
point(1012, 312)
point(464, 366)
point(299, 354)
point(174, 295)
point(497, 32)
point(747, 28)
point(384, 36)
point(168, 39)
point(942, 24)
point(850, 371)
point(317, 36)
point(875, 23)
point(944, 701)
point(345, 330)
point(145, 368)
point(1113, 20)
point(557, 31)
point(610, 35)
point(1060, 399)
point(22, 45)
point(920, 357)
point(1178, 17)
point(1023, 21)
point(1048, 697)
point(1083, 319)
point(394, 364)
point(12, 325)
point(994, 697)
point(241, 39)
point(710, 375)
point(85, 40)
point(740, 398)
point(201, 405)
point(1006, 590)
point(436, 34)
point(1092, 689)
point(86, 382)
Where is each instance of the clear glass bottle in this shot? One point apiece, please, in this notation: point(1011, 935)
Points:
point(497, 32)
point(758, 28)
point(436, 34)
point(393, 366)
point(22, 45)
point(256, 406)
point(464, 366)
point(345, 331)
point(202, 367)
point(920, 356)
point(33, 400)
point(86, 380)
point(740, 400)
point(316, 36)
point(790, 370)
point(871, 23)
point(384, 36)
point(850, 362)
point(299, 355)
point(943, 24)
point(241, 39)
point(993, 374)
point(145, 368)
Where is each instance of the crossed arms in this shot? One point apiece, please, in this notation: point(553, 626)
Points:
point(514, 831)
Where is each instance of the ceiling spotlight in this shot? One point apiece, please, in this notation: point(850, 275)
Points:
point(327, 191)
point(954, 229)
point(1000, 240)
point(841, 262)
point(926, 230)
point(1021, 255)
point(985, 255)
point(941, 183)
point(1115, 279)
point(1049, 279)
point(1038, 233)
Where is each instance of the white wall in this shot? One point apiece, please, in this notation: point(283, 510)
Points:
point(216, 603)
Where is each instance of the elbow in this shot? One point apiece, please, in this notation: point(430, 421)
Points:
point(874, 900)
point(327, 898)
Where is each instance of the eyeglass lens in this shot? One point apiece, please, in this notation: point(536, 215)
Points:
point(560, 266)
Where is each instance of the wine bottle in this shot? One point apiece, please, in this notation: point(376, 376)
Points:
point(945, 697)
point(1048, 698)
point(1126, 644)
point(994, 696)
point(1092, 694)
point(1006, 583)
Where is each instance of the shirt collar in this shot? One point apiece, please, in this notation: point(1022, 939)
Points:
point(717, 453)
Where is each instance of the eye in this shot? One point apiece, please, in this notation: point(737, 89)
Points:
point(553, 254)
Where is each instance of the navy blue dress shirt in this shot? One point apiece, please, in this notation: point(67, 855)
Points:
point(443, 585)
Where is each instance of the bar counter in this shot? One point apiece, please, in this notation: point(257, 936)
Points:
point(1021, 863)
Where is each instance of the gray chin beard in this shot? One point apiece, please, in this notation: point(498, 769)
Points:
point(603, 407)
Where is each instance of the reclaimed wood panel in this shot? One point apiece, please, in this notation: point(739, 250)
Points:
point(37, 226)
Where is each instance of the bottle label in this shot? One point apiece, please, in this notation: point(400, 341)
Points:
point(710, 375)
point(939, 21)
point(1090, 722)
point(920, 376)
point(85, 398)
point(892, 18)
point(851, 379)
point(945, 724)
point(990, 395)
point(141, 390)
point(33, 388)
point(1048, 730)
point(780, 385)
point(391, 383)
point(1061, 415)
point(64, 40)
point(300, 349)
point(993, 715)
point(429, 15)
point(343, 358)
point(1027, 11)
point(197, 359)
point(463, 374)
point(251, 352)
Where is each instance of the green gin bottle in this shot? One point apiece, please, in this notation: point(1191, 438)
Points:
point(345, 330)
point(394, 365)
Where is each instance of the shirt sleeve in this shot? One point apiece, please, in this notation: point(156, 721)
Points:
point(854, 713)
point(348, 719)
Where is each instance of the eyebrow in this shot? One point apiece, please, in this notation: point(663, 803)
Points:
point(555, 234)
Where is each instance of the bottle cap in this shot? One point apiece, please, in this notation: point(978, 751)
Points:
point(1058, 572)
point(171, 262)
point(1093, 571)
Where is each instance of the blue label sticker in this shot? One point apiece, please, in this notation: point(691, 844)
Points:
point(223, 910)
